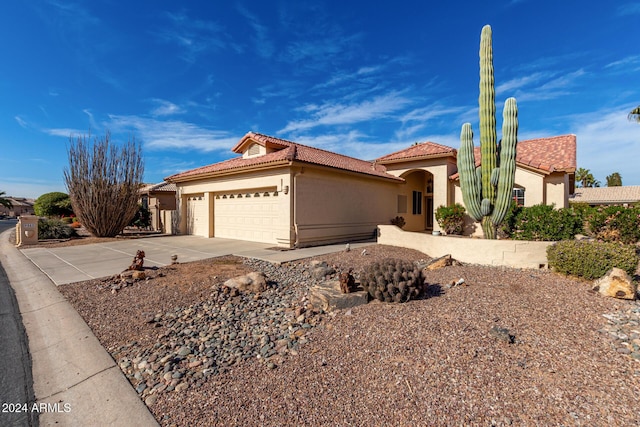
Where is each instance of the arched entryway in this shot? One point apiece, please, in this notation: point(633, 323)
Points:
point(416, 200)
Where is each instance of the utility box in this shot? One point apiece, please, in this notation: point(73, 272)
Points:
point(27, 230)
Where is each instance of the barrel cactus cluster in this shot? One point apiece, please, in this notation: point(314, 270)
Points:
point(487, 189)
point(392, 280)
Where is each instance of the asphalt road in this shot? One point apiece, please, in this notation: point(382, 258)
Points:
point(16, 382)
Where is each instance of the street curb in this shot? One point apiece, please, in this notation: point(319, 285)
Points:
point(75, 380)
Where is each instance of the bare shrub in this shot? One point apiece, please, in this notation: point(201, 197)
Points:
point(103, 182)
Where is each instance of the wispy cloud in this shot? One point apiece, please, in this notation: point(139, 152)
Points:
point(551, 89)
point(64, 132)
point(629, 9)
point(173, 135)
point(336, 113)
point(520, 82)
point(22, 122)
point(165, 108)
point(628, 64)
point(604, 139)
point(264, 45)
point(193, 35)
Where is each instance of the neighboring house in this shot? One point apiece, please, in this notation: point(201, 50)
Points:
point(596, 196)
point(294, 195)
point(20, 206)
point(160, 199)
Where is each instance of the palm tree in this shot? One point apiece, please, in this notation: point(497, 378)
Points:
point(634, 115)
point(5, 202)
point(614, 180)
point(586, 179)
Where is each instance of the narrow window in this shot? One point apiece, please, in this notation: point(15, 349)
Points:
point(518, 196)
point(417, 202)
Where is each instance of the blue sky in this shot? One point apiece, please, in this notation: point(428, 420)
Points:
point(363, 78)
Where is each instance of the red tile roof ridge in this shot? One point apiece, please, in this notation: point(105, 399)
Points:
point(291, 151)
point(416, 147)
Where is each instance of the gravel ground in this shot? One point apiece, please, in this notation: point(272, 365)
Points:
point(508, 347)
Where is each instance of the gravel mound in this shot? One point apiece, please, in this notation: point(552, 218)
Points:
point(502, 347)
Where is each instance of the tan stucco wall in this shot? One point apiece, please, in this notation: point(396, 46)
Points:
point(332, 206)
point(159, 203)
point(273, 180)
point(557, 190)
point(440, 169)
point(510, 253)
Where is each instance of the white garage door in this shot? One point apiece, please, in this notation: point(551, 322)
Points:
point(197, 218)
point(251, 215)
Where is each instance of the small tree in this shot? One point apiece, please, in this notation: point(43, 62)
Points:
point(55, 204)
point(142, 218)
point(4, 201)
point(103, 182)
point(614, 180)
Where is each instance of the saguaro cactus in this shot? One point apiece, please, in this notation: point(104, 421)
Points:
point(486, 190)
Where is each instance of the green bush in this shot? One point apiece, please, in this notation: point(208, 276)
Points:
point(142, 219)
point(451, 218)
point(591, 260)
point(542, 222)
point(615, 224)
point(54, 204)
point(55, 229)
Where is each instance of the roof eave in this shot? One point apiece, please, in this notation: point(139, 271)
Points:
point(234, 171)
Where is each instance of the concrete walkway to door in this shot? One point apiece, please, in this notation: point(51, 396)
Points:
point(77, 263)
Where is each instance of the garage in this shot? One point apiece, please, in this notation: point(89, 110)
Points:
point(198, 218)
point(251, 215)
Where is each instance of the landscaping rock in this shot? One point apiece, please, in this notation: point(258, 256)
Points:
point(328, 296)
point(443, 261)
point(502, 334)
point(616, 284)
point(253, 282)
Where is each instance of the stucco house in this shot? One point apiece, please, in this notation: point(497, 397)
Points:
point(19, 206)
point(160, 199)
point(598, 196)
point(293, 195)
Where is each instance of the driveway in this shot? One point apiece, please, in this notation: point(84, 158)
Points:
point(77, 263)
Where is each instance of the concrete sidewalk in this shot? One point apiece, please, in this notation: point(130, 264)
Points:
point(76, 382)
point(84, 262)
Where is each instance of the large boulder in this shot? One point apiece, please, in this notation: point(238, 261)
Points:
point(253, 282)
point(328, 296)
point(617, 284)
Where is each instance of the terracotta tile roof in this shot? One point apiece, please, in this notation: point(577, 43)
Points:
point(553, 154)
point(287, 151)
point(162, 187)
point(607, 195)
point(422, 150)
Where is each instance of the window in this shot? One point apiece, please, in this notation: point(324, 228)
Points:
point(417, 202)
point(518, 196)
point(402, 203)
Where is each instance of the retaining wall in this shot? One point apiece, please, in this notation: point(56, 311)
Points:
point(509, 253)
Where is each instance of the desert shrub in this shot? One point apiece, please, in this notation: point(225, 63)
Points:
point(54, 229)
point(543, 222)
point(506, 227)
point(398, 221)
point(142, 219)
point(392, 280)
point(53, 204)
point(591, 259)
point(451, 218)
point(615, 224)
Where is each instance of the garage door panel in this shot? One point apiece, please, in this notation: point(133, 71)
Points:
point(253, 218)
point(197, 215)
